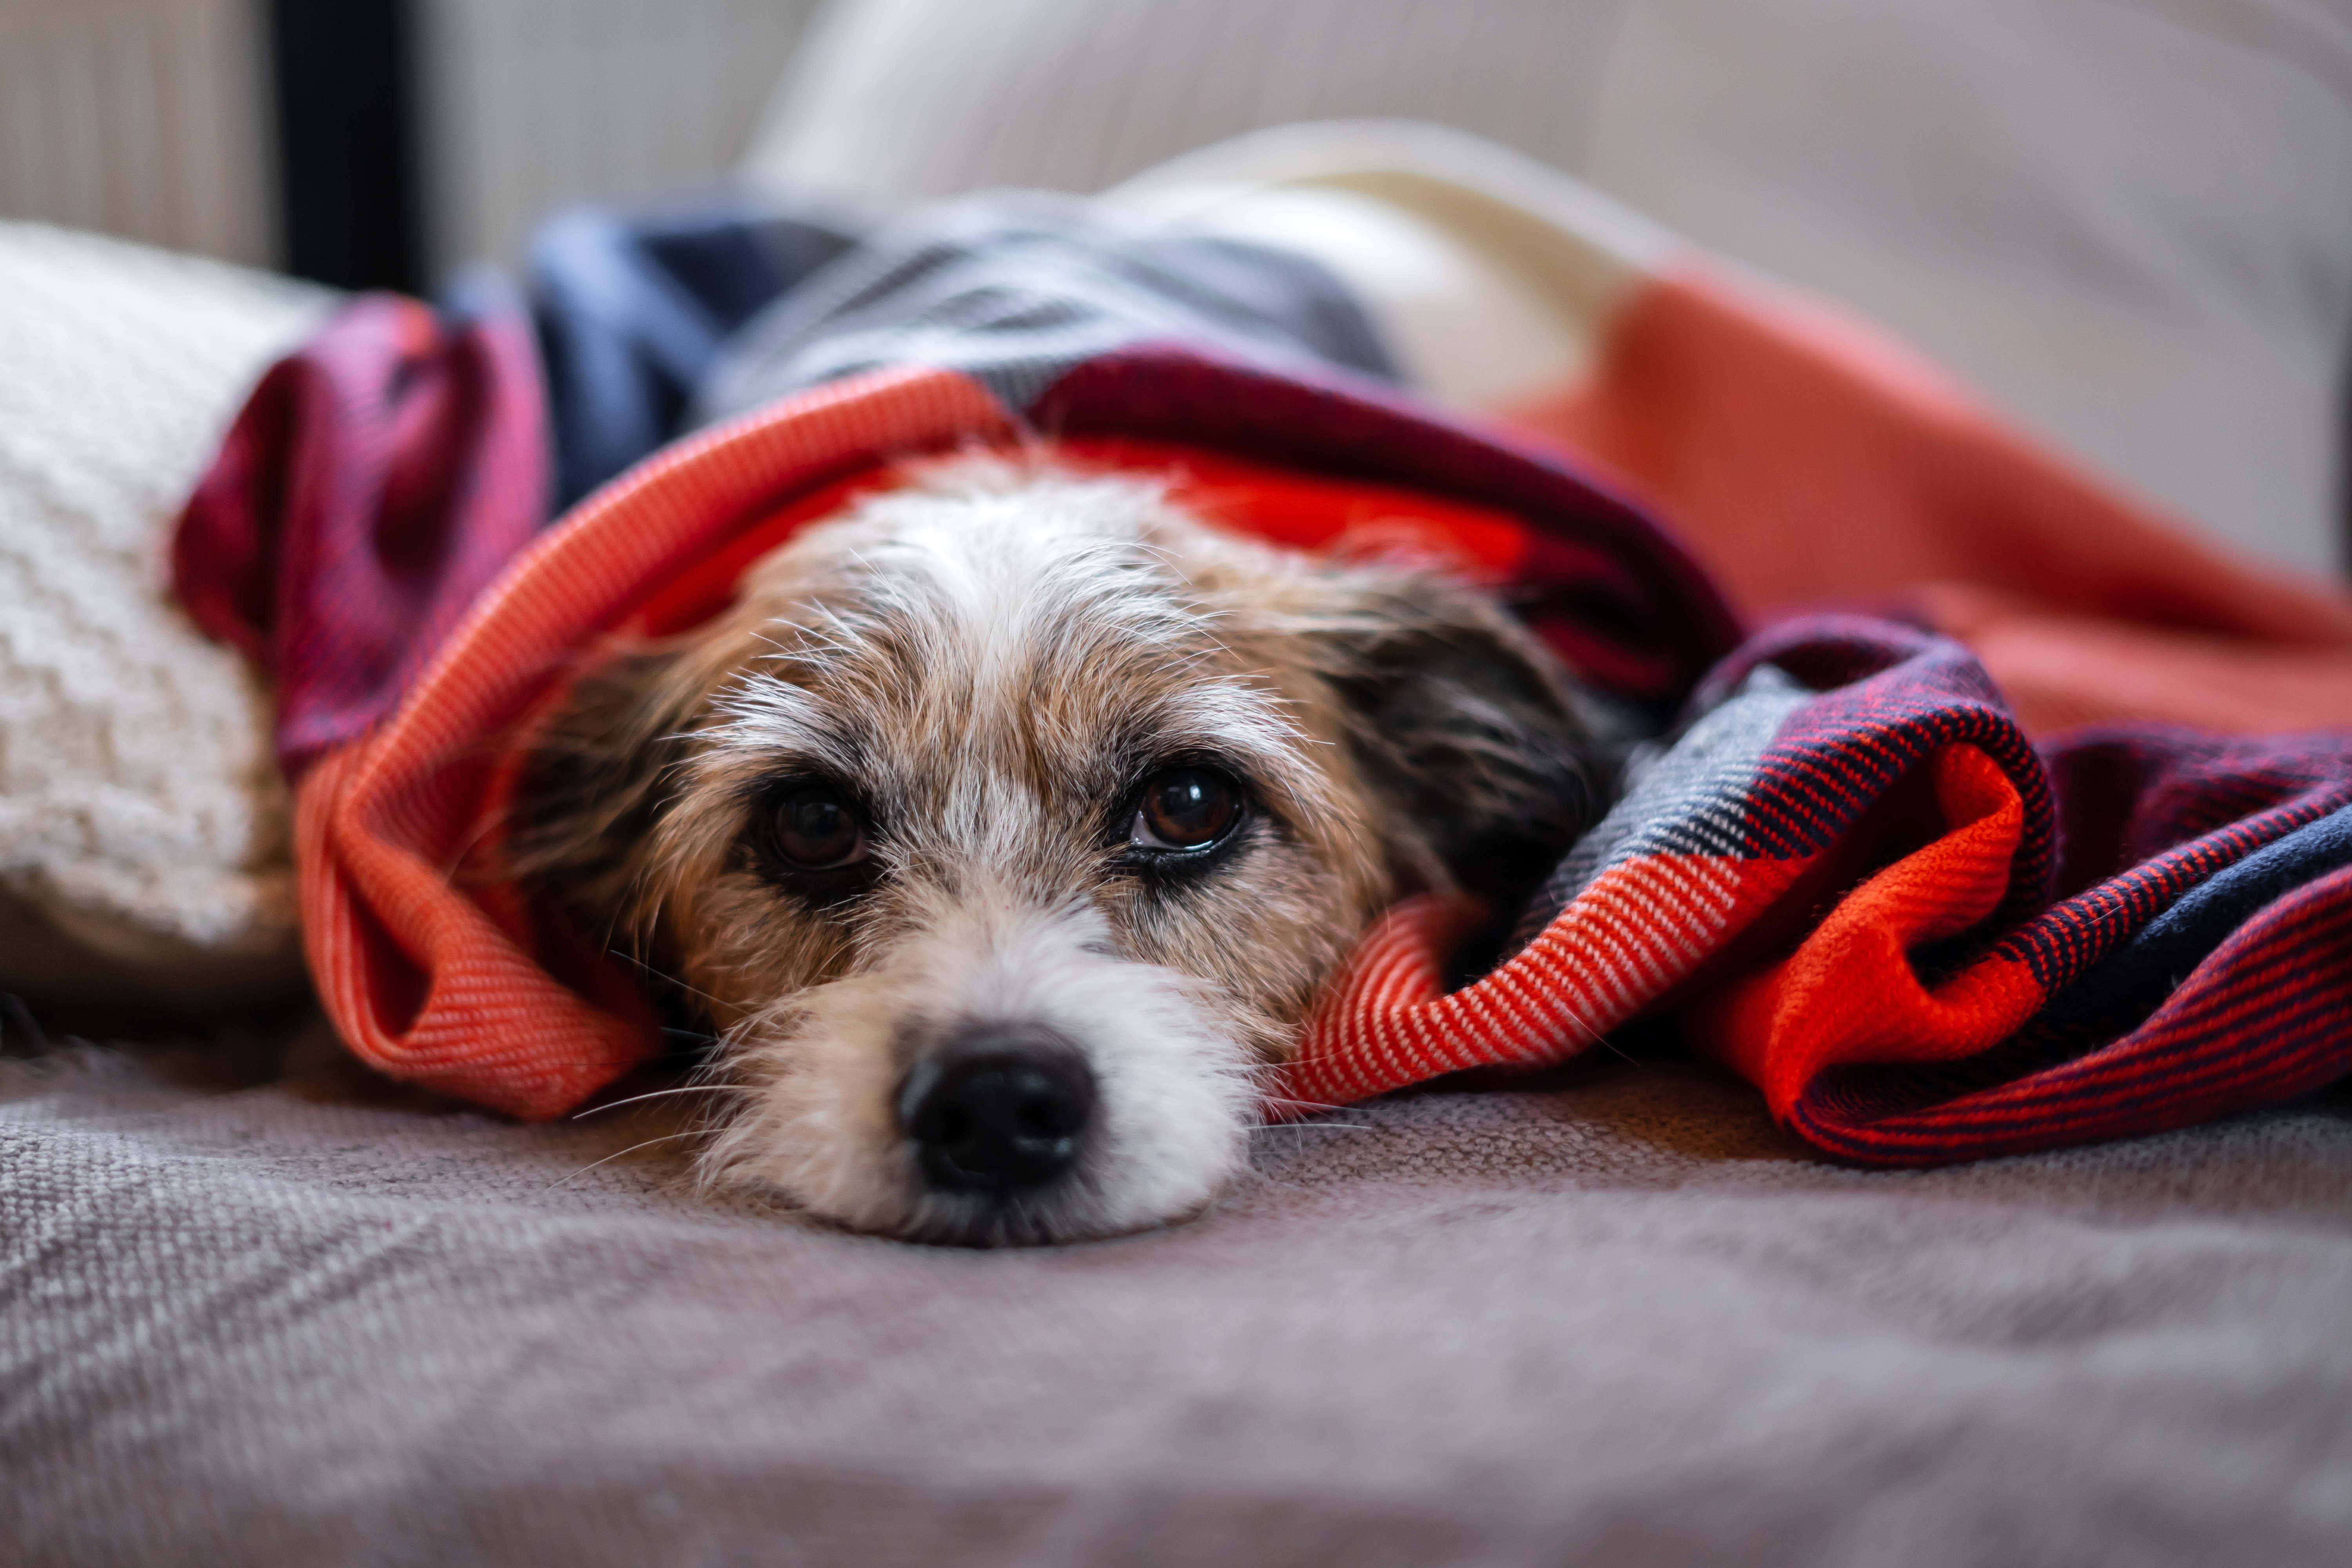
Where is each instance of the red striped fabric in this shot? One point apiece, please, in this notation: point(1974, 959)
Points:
point(1885, 951)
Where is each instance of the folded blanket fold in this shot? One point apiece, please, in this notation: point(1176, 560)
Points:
point(1846, 866)
point(1867, 893)
point(631, 309)
point(377, 479)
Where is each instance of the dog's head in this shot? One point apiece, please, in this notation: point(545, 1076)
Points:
point(1007, 825)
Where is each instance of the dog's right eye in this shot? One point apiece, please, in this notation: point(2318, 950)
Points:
point(1187, 810)
point(815, 829)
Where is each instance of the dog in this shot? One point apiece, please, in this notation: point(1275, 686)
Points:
point(1003, 832)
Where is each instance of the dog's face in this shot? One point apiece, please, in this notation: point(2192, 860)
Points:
point(1008, 825)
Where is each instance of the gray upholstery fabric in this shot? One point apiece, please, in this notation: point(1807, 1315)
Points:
point(1619, 1320)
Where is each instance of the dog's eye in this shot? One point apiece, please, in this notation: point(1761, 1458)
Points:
point(1186, 808)
point(815, 830)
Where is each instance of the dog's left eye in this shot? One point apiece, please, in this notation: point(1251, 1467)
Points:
point(815, 829)
point(1186, 808)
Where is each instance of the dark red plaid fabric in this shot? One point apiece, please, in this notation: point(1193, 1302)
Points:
point(1603, 581)
point(373, 485)
point(1857, 883)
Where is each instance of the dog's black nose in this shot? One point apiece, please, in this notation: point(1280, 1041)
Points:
point(998, 1110)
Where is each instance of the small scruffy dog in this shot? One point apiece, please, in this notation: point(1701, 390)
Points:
point(1004, 829)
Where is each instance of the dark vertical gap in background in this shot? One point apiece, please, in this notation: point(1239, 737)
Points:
point(350, 198)
point(2342, 476)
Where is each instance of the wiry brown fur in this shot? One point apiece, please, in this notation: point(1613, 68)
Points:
point(992, 660)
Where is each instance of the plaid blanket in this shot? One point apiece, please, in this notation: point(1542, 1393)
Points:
point(1922, 938)
point(1842, 868)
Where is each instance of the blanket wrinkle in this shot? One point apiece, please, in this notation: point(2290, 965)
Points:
point(1767, 428)
point(375, 483)
point(2148, 999)
point(631, 309)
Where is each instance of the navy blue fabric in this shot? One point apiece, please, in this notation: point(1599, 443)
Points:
point(632, 308)
point(1015, 288)
point(2130, 984)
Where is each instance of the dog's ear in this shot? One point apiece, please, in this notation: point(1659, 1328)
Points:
point(595, 780)
point(1474, 735)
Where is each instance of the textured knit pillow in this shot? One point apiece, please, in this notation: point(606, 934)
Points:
point(2121, 220)
point(144, 861)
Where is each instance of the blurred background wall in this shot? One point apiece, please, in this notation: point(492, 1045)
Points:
point(2123, 221)
point(142, 118)
point(369, 142)
point(532, 101)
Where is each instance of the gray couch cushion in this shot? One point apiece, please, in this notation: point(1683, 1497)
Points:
point(1618, 1321)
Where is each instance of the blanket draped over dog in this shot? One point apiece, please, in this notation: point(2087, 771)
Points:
point(1845, 869)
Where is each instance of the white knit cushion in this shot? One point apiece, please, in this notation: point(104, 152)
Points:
point(2123, 220)
point(144, 855)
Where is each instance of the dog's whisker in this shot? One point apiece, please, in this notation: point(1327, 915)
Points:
point(1299, 1104)
point(1578, 1024)
point(665, 1138)
point(656, 1094)
point(653, 973)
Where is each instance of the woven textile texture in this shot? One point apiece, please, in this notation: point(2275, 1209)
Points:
point(1617, 1319)
point(1850, 877)
point(631, 309)
point(374, 484)
point(1014, 289)
point(144, 844)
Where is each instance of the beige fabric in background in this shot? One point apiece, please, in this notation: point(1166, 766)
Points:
point(2124, 221)
point(145, 863)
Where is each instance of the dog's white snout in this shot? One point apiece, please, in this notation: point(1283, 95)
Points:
point(1168, 1095)
point(999, 1071)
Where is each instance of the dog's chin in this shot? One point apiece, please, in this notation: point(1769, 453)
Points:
point(824, 1121)
point(1073, 1212)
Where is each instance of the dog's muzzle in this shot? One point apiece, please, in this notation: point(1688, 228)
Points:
point(998, 1110)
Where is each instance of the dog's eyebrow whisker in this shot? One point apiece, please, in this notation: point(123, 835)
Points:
point(840, 623)
point(665, 1138)
point(816, 642)
point(656, 1094)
